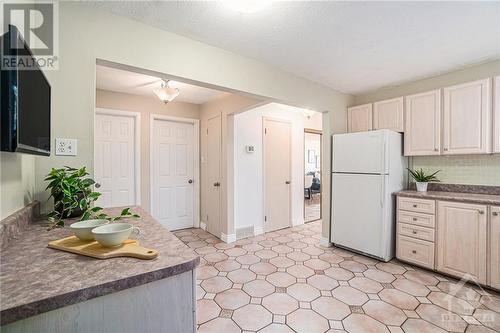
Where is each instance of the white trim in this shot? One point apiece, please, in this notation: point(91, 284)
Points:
point(228, 238)
point(258, 231)
point(203, 225)
point(325, 241)
point(264, 119)
point(196, 161)
point(137, 145)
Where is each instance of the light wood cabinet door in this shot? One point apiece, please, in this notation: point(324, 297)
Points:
point(494, 265)
point(388, 114)
point(462, 240)
point(467, 118)
point(360, 118)
point(496, 115)
point(423, 124)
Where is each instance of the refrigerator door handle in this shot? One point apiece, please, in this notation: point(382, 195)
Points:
point(382, 157)
point(382, 192)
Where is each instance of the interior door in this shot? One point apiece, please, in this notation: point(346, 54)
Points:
point(172, 164)
point(114, 160)
point(213, 186)
point(277, 156)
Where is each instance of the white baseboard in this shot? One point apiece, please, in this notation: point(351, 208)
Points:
point(297, 222)
point(325, 242)
point(203, 225)
point(228, 238)
point(258, 231)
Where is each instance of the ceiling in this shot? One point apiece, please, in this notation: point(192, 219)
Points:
point(127, 82)
point(353, 47)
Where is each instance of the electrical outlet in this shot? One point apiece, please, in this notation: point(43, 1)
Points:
point(66, 147)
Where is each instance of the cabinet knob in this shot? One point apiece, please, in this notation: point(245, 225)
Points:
point(414, 219)
point(414, 232)
point(414, 206)
point(414, 251)
point(435, 149)
point(445, 149)
point(494, 213)
point(481, 212)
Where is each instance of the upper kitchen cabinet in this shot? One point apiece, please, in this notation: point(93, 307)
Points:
point(423, 124)
point(388, 114)
point(496, 115)
point(467, 118)
point(359, 118)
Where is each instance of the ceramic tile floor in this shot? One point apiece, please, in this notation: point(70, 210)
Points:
point(284, 281)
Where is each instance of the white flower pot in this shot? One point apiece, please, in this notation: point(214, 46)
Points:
point(421, 187)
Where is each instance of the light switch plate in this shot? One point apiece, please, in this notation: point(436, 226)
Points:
point(66, 147)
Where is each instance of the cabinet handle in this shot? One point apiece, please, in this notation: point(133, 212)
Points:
point(414, 219)
point(445, 149)
point(494, 213)
point(414, 232)
point(481, 212)
point(435, 149)
point(414, 206)
point(414, 251)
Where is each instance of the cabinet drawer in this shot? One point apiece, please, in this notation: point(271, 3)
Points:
point(417, 205)
point(416, 232)
point(415, 251)
point(424, 220)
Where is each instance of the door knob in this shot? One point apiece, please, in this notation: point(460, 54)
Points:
point(216, 184)
point(287, 182)
point(190, 181)
point(97, 185)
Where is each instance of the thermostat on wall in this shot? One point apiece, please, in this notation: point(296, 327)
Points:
point(250, 149)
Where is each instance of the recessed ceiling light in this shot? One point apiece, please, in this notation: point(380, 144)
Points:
point(248, 6)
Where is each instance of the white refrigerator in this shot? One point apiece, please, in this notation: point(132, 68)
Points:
point(367, 168)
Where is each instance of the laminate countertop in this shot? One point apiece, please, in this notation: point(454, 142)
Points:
point(485, 199)
point(36, 279)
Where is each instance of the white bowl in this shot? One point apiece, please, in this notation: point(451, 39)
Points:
point(83, 229)
point(113, 234)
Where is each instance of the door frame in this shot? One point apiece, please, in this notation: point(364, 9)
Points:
point(196, 160)
point(137, 144)
point(320, 133)
point(290, 211)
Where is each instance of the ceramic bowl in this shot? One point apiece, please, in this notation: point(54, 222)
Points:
point(113, 234)
point(83, 229)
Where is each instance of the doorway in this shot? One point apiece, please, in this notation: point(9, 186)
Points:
point(174, 166)
point(277, 173)
point(312, 175)
point(117, 157)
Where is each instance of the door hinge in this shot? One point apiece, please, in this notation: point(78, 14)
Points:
point(265, 130)
point(265, 218)
point(207, 131)
point(207, 217)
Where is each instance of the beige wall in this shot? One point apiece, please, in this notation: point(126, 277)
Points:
point(146, 106)
point(226, 106)
point(87, 34)
point(465, 169)
point(17, 182)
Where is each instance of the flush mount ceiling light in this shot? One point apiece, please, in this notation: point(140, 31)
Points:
point(248, 6)
point(308, 113)
point(166, 93)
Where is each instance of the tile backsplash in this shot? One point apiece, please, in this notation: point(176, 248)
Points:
point(463, 169)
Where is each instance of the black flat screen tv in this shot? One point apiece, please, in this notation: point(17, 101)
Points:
point(25, 100)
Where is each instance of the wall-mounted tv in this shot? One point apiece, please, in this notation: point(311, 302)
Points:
point(25, 100)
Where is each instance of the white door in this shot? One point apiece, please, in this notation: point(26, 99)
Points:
point(467, 118)
point(172, 165)
point(357, 213)
point(388, 114)
point(277, 156)
point(423, 124)
point(360, 118)
point(360, 152)
point(213, 185)
point(114, 160)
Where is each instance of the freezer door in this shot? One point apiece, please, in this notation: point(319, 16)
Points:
point(363, 152)
point(358, 217)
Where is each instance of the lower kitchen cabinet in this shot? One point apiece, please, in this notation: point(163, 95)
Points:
point(494, 247)
point(462, 240)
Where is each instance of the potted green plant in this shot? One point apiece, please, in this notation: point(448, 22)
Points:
point(74, 196)
point(422, 179)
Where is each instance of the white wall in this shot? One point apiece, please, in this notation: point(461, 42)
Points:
point(312, 141)
point(248, 170)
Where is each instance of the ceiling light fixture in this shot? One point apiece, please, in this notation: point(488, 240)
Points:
point(308, 113)
point(248, 6)
point(166, 93)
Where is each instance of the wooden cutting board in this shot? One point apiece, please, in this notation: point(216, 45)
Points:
point(129, 248)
